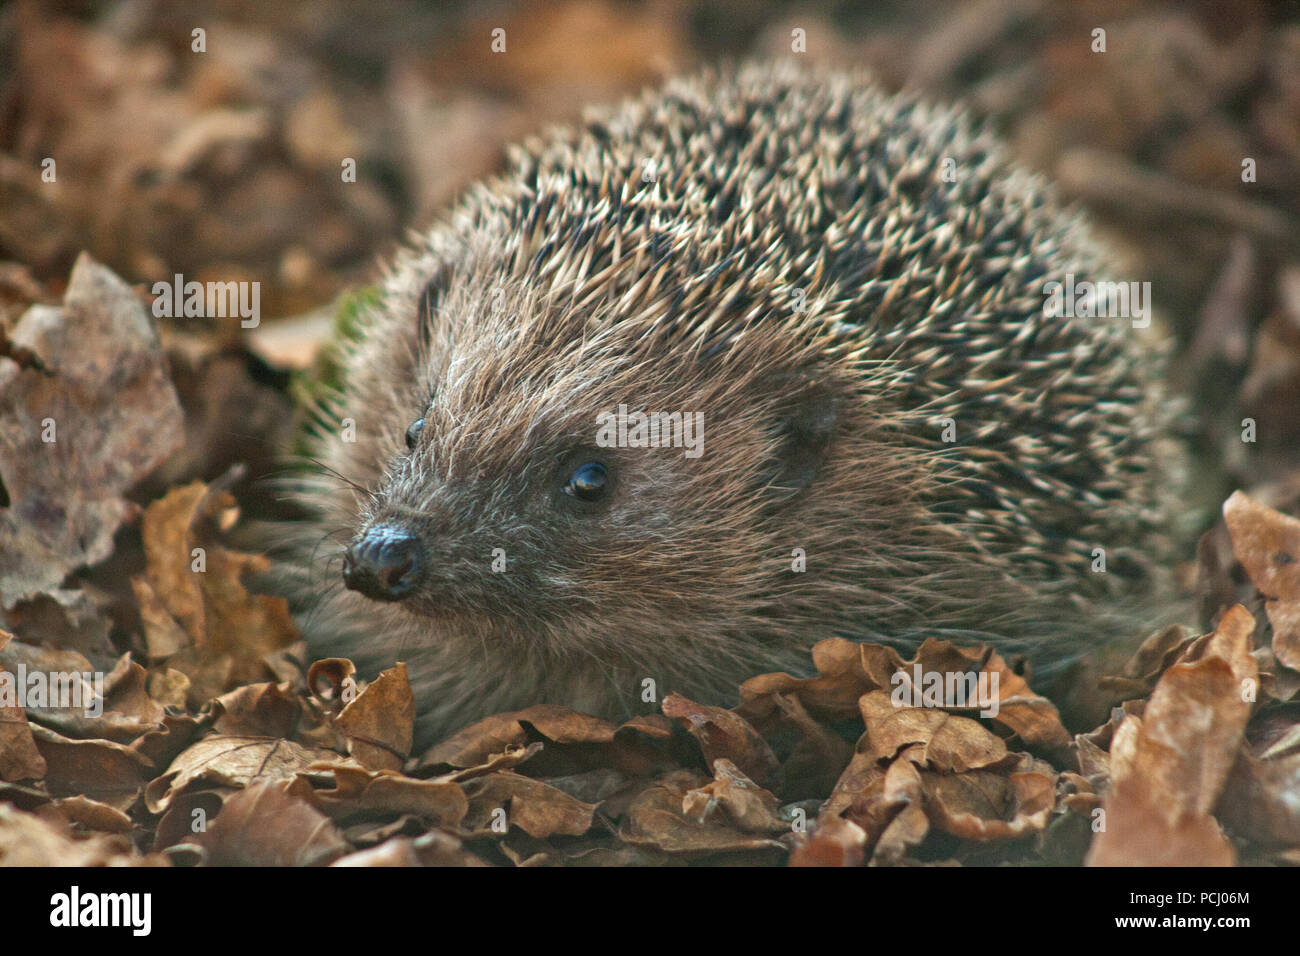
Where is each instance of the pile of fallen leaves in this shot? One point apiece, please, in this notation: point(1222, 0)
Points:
point(213, 738)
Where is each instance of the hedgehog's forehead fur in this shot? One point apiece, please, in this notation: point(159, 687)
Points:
point(827, 274)
point(510, 400)
point(520, 376)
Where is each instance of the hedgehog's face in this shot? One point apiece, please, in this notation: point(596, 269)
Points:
point(587, 506)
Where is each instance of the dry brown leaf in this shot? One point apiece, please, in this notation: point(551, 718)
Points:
point(72, 620)
point(188, 815)
point(228, 629)
point(220, 760)
point(860, 783)
point(833, 842)
point(90, 375)
point(360, 791)
point(267, 824)
point(750, 807)
point(1267, 544)
point(125, 708)
point(986, 807)
point(537, 808)
point(30, 840)
point(724, 733)
point(1168, 768)
point(19, 758)
point(480, 740)
point(655, 820)
point(98, 712)
point(951, 742)
point(885, 802)
point(86, 814)
point(1029, 717)
point(511, 758)
point(1148, 662)
point(379, 723)
point(1261, 800)
point(590, 786)
point(813, 755)
point(845, 670)
point(177, 732)
point(901, 807)
point(259, 710)
point(101, 769)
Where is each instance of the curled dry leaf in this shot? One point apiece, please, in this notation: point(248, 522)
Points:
point(1267, 544)
point(1168, 767)
point(656, 820)
point(189, 811)
point(30, 840)
point(231, 761)
point(988, 687)
point(537, 808)
point(573, 743)
point(359, 792)
point(492, 735)
point(985, 807)
point(177, 732)
point(750, 807)
point(102, 769)
point(83, 813)
point(845, 671)
point(194, 586)
point(69, 619)
point(1031, 718)
point(52, 676)
point(511, 758)
point(380, 722)
point(19, 757)
point(113, 706)
point(886, 802)
point(950, 742)
point(86, 411)
point(812, 754)
point(262, 710)
point(918, 769)
point(724, 733)
point(331, 680)
point(1148, 662)
point(833, 842)
point(900, 807)
point(591, 786)
point(817, 757)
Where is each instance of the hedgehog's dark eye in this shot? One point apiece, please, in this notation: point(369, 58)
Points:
point(587, 483)
point(413, 433)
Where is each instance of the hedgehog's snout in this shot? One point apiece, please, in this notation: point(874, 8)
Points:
point(383, 563)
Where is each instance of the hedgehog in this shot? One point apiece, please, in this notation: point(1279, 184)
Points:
point(831, 298)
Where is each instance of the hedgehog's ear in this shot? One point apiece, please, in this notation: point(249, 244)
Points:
point(803, 427)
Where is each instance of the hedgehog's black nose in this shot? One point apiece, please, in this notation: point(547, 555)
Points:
point(384, 563)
